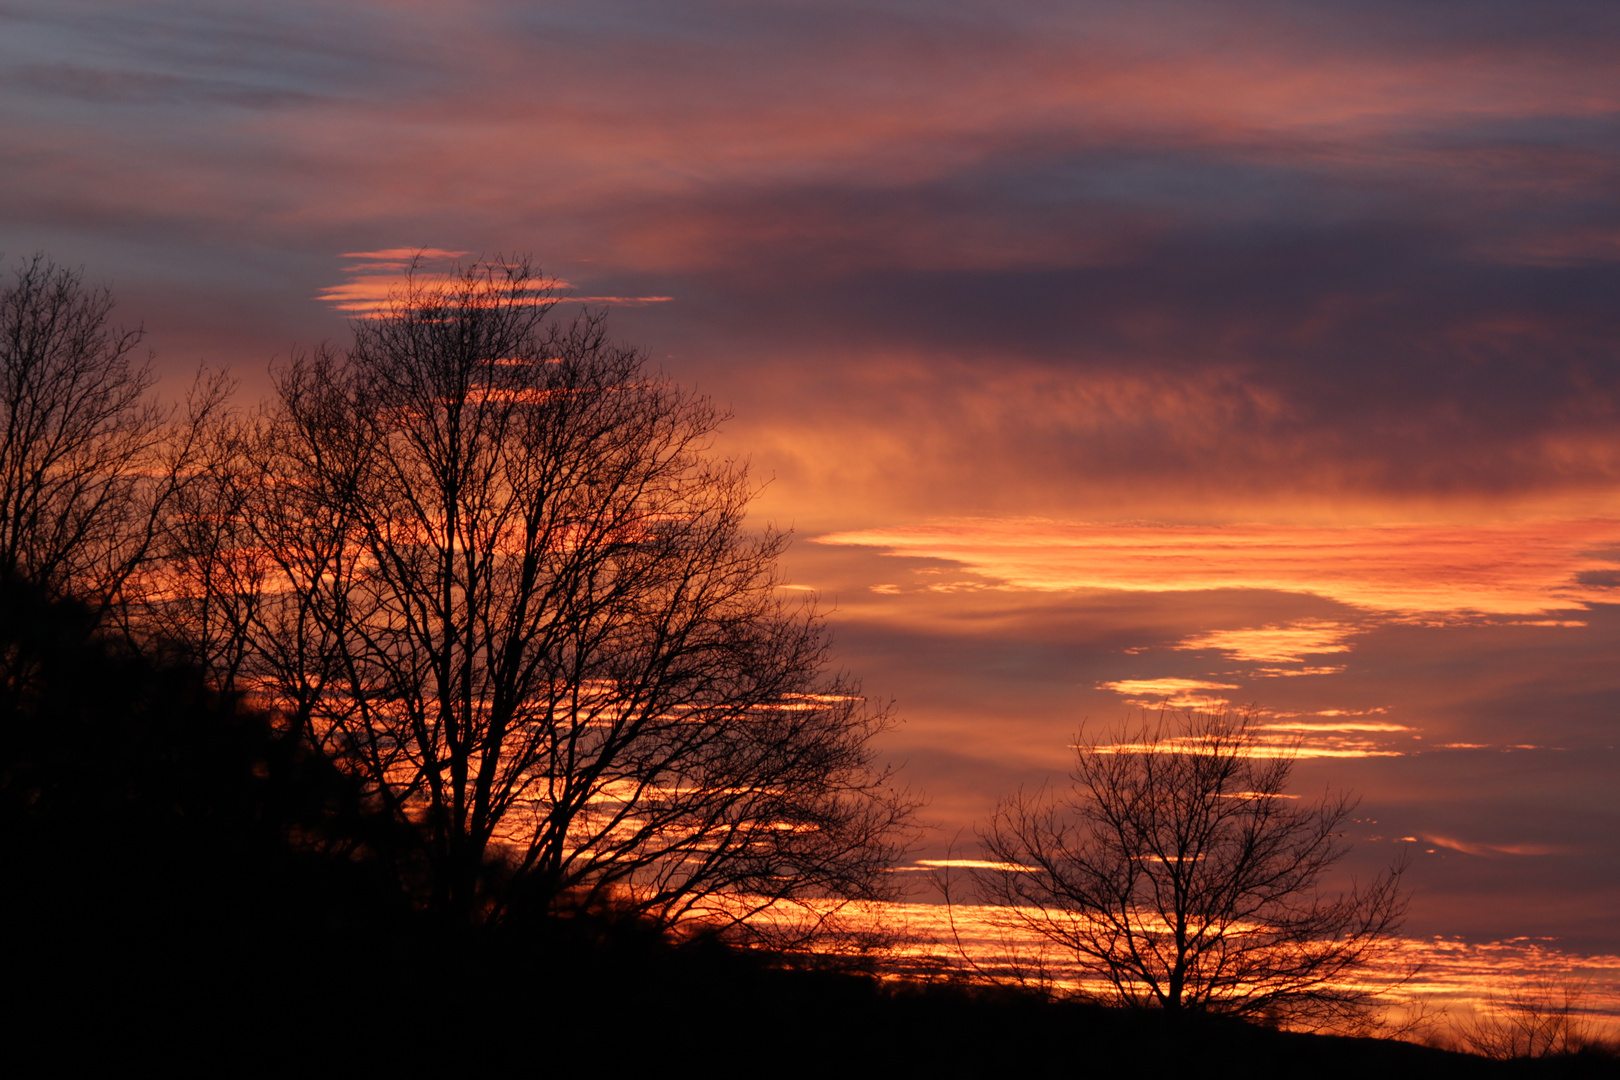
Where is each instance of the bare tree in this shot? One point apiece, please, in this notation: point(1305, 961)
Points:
point(89, 460)
point(1178, 874)
point(207, 576)
point(499, 573)
point(75, 430)
point(1539, 1020)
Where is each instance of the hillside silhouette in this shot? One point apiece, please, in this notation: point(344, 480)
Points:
point(191, 885)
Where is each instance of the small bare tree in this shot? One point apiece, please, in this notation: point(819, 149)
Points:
point(1179, 874)
point(490, 564)
point(1539, 1020)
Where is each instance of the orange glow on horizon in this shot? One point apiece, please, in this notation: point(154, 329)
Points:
point(1452, 976)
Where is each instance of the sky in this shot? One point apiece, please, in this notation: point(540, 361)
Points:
point(1103, 357)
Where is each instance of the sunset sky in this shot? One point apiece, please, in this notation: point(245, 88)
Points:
point(1102, 356)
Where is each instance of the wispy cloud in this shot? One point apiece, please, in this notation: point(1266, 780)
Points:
point(1409, 570)
point(1265, 748)
point(1468, 848)
point(1286, 643)
point(383, 275)
point(1171, 693)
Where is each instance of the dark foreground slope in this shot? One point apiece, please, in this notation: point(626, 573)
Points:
point(187, 887)
point(175, 868)
point(711, 1008)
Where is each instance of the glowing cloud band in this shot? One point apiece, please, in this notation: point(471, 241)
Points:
point(1528, 568)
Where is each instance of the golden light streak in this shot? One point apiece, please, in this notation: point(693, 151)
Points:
point(1164, 687)
point(1348, 725)
point(971, 864)
point(1344, 749)
point(1279, 673)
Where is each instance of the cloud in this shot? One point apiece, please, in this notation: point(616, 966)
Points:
point(1490, 849)
point(368, 293)
point(1275, 735)
point(402, 257)
point(1170, 693)
point(970, 864)
point(1288, 643)
point(133, 89)
point(1527, 568)
point(1264, 748)
point(1081, 260)
point(1307, 727)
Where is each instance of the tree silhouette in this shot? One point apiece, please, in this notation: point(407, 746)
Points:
point(499, 574)
point(89, 461)
point(75, 426)
point(1543, 1019)
point(1178, 873)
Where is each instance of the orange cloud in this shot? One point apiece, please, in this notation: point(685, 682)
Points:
point(1169, 693)
point(1337, 748)
point(404, 256)
point(1282, 644)
point(968, 864)
point(366, 293)
point(1281, 738)
point(1348, 725)
point(1528, 568)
